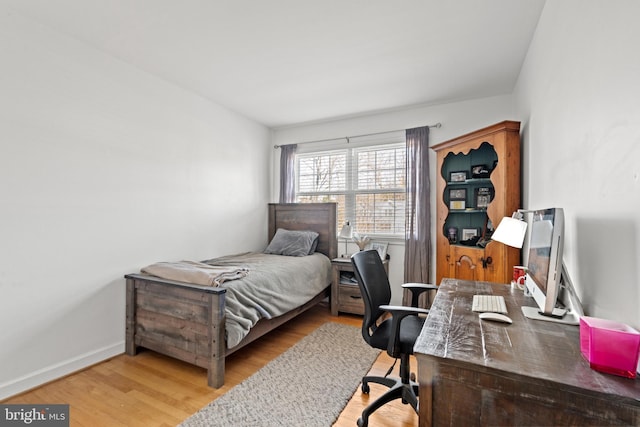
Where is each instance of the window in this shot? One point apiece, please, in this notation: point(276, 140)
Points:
point(367, 183)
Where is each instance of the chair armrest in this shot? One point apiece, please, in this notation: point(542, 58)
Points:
point(423, 286)
point(417, 289)
point(399, 312)
point(403, 311)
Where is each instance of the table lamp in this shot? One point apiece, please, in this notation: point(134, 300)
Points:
point(346, 233)
point(511, 230)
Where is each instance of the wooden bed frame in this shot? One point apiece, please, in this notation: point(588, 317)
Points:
point(187, 321)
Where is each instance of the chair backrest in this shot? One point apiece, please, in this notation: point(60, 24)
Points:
point(374, 287)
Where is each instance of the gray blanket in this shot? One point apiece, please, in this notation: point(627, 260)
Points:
point(274, 285)
point(194, 272)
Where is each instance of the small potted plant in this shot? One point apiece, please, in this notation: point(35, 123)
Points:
point(361, 241)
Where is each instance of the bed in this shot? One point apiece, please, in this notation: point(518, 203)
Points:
point(188, 321)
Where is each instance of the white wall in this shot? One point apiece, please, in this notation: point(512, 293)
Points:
point(457, 119)
point(579, 99)
point(105, 169)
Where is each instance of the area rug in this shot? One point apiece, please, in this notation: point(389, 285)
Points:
point(308, 385)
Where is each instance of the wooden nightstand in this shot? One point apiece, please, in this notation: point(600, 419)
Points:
point(345, 293)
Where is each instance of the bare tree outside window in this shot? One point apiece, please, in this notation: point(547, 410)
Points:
point(368, 183)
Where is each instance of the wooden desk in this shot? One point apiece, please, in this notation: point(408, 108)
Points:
point(474, 372)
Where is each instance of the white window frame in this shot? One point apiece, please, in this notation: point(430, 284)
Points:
point(351, 147)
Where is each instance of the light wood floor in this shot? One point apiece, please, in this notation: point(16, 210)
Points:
point(153, 390)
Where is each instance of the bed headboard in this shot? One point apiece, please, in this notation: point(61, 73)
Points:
point(318, 217)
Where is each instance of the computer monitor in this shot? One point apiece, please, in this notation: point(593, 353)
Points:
point(547, 279)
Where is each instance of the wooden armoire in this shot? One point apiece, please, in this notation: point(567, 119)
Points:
point(477, 184)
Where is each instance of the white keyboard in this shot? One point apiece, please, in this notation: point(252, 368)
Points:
point(492, 303)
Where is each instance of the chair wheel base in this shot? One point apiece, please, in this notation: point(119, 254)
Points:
point(362, 423)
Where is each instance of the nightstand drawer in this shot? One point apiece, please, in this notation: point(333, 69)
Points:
point(350, 300)
point(345, 293)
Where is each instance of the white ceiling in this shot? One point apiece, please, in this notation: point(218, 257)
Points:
point(284, 62)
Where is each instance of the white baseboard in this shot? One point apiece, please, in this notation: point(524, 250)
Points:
point(59, 370)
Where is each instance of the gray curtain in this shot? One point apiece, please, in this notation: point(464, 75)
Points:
point(287, 173)
point(417, 253)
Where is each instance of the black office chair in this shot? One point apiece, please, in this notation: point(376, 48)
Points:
point(397, 334)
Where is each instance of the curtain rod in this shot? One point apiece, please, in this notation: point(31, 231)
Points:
point(437, 126)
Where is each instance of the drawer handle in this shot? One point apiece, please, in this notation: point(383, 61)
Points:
point(355, 296)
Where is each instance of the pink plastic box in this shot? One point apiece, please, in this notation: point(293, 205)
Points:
point(610, 346)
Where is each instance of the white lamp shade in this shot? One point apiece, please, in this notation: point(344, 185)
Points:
point(347, 231)
point(511, 232)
